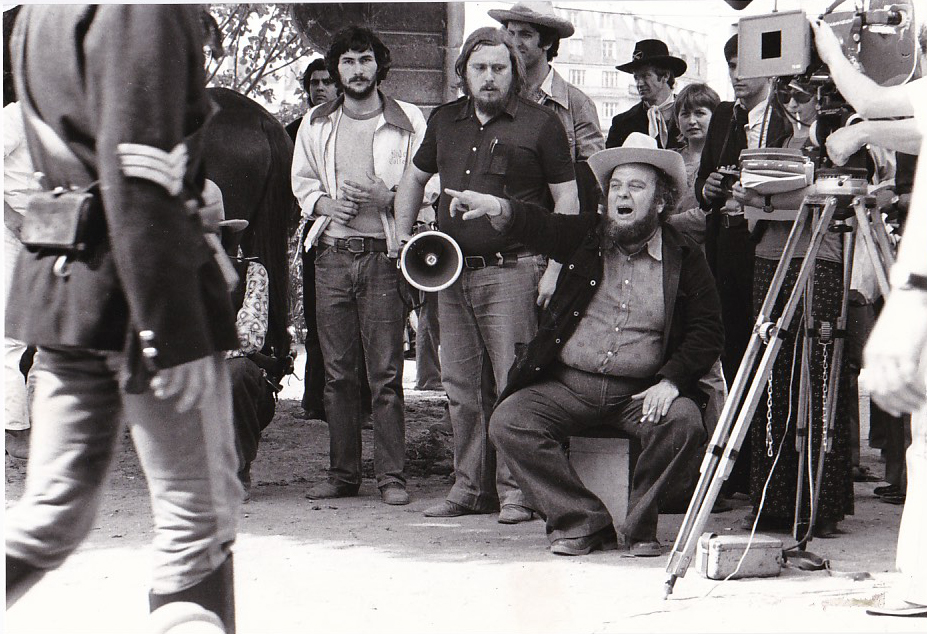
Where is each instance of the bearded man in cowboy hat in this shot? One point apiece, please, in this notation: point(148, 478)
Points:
point(655, 72)
point(633, 324)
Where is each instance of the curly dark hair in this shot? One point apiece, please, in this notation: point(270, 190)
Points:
point(314, 66)
point(358, 39)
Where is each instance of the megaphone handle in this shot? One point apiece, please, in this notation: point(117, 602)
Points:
point(315, 231)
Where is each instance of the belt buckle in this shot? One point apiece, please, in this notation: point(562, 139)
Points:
point(350, 242)
point(475, 262)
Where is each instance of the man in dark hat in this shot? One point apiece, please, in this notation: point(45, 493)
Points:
point(655, 72)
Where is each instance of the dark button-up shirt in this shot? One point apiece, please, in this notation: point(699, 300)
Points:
point(621, 333)
point(516, 154)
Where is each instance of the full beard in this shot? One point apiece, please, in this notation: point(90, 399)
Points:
point(491, 106)
point(617, 235)
point(363, 93)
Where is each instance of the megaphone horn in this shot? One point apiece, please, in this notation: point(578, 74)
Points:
point(431, 261)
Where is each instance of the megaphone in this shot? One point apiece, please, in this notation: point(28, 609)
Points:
point(431, 261)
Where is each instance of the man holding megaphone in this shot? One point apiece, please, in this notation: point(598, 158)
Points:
point(495, 141)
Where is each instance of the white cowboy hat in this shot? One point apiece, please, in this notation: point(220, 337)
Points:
point(534, 13)
point(639, 148)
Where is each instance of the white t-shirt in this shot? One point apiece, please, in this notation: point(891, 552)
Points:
point(18, 173)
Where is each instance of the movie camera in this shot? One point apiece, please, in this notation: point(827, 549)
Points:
point(880, 39)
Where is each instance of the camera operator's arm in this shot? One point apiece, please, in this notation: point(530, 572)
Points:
point(896, 354)
point(900, 135)
point(868, 98)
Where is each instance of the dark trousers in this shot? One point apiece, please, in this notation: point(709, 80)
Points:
point(734, 276)
point(529, 427)
point(315, 368)
point(253, 407)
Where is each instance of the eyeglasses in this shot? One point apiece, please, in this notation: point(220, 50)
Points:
point(800, 95)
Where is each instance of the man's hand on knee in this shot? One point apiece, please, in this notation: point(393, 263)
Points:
point(188, 382)
point(657, 400)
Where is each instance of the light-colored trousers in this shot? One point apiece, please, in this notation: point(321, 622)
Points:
point(16, 412)
point(912, 536)
point(189, 461)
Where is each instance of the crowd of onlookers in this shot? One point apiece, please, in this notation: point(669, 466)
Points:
point(611, 282)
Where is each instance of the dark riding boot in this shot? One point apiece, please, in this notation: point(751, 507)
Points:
point(20, 577)
point(216, 593)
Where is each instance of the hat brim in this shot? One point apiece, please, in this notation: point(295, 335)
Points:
point(604, 162)
point(563, 27)
point(675, 64)
point(233, 226)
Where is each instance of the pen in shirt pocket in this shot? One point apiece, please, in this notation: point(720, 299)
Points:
point(493, 144)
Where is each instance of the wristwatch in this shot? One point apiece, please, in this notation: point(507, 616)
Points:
point(905, 280)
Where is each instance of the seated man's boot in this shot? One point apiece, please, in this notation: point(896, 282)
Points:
point(20, 577)
point(215, 593)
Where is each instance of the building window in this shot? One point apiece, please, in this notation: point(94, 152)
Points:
point(611, 79)
point(609, 50)
point(610, 109)
point(577, 77)
point(576, 48)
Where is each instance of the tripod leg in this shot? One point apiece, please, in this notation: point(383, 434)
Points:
point(719, 458)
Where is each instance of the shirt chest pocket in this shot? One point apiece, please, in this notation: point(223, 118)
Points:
point(498, 159)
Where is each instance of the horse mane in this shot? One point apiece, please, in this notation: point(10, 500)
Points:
point(248, 154)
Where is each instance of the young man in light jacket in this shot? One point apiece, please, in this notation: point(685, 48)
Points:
point(350, 155)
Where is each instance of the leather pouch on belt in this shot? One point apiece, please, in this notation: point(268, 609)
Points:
point(58, 220)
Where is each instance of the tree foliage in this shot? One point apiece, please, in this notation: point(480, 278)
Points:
point(262, 45)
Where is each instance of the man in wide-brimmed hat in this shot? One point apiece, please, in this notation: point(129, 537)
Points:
point(634, 323)
point(537, 30)
point(655, 72)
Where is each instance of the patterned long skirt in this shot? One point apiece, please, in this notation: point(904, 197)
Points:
point(835, 499)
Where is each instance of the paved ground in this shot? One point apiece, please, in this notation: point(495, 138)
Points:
point(356, 565)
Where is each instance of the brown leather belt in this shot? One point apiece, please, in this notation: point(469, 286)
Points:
point(357, 244)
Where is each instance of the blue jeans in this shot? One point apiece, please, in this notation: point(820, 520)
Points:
point(358, 304)
point(483, 315)
point(189, 462)
point(529, 427)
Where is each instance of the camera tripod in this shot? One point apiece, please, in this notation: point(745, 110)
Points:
point(842, 206)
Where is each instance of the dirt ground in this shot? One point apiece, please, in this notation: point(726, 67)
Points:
point(357, 565)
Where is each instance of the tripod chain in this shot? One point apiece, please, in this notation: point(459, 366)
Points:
point(825, 355)
point(769, 417)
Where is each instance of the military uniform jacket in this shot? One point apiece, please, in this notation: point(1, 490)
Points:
point(635, 120)
point(693, 335)
point(102, 76)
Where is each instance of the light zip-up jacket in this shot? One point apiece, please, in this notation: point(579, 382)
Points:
point(399, 132)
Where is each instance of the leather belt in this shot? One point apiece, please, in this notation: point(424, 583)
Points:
point(508, 258)
point(357, 244)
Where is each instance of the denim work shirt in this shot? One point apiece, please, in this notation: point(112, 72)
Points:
point(622, 331)
point(692, 336)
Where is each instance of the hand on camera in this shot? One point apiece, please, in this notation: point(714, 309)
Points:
point(714, 189)
point(828, 45)
point(843, 143)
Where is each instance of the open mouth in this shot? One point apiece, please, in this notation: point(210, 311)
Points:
point(624, 211)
